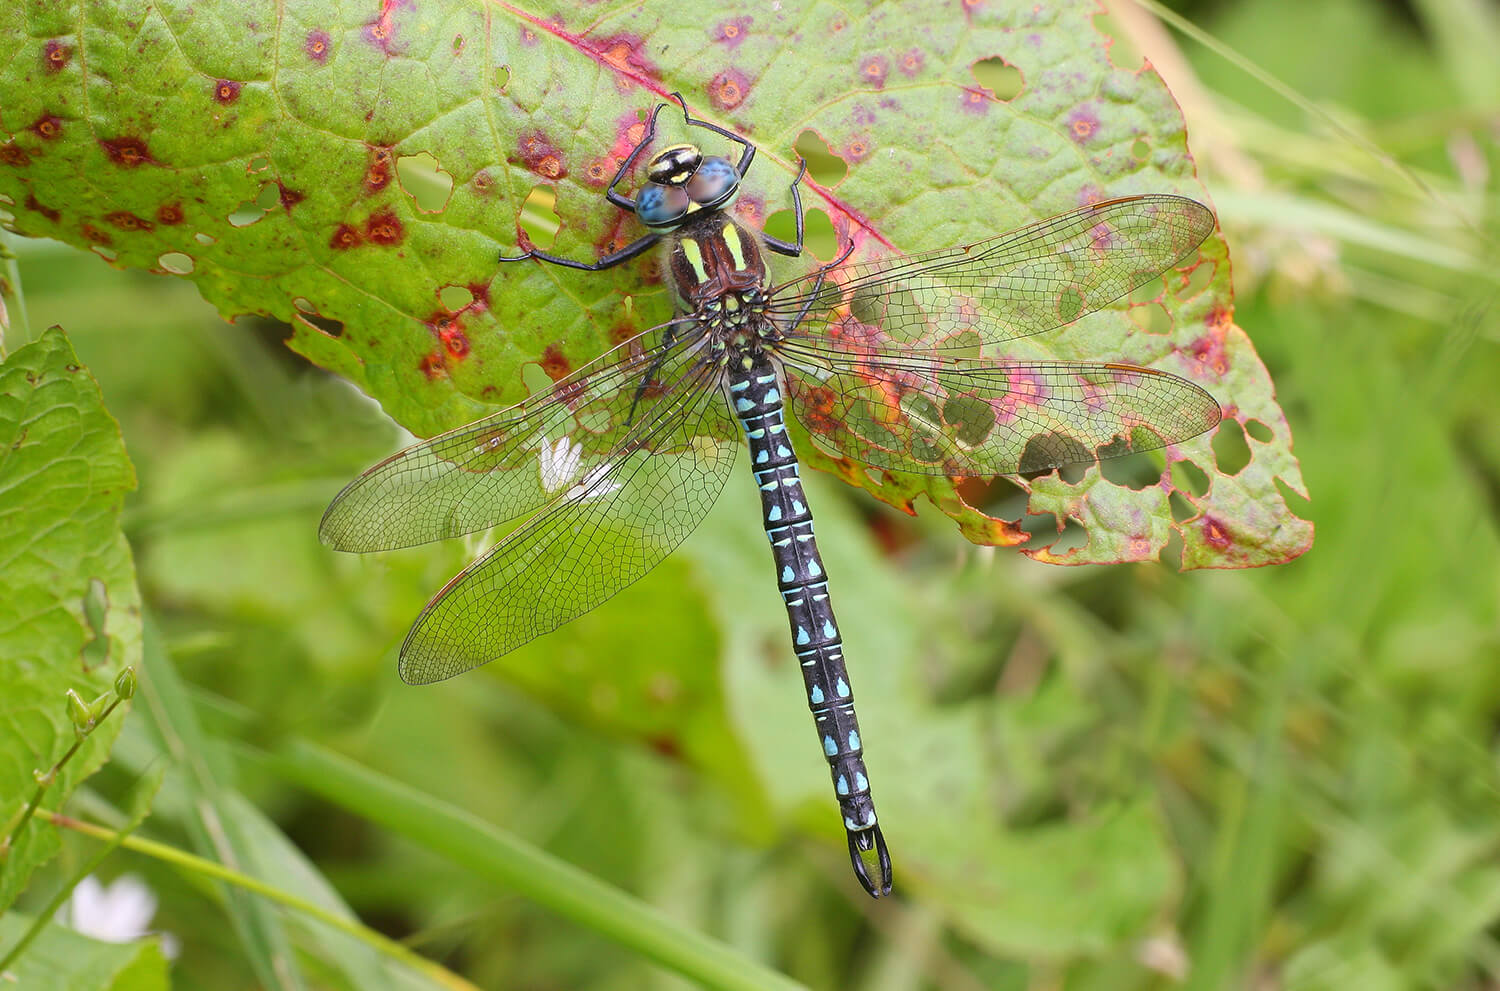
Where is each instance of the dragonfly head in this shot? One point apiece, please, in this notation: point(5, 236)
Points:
point(682, 181)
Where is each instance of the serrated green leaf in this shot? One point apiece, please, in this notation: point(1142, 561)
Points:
point(63, 960)
point(277, 172)
point(69, 606)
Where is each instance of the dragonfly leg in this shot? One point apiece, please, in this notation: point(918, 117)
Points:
point(776, 244)
point(745, 159)
point(626, 253)
point(822, 276)
point(619, 200)
point(866, 842)
point(668, 336)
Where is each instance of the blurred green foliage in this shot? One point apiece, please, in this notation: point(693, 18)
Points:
point(1289, 772)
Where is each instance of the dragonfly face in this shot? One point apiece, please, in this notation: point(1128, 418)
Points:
point(615, 465)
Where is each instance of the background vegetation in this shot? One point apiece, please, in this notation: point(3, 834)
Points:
point(1275, 778)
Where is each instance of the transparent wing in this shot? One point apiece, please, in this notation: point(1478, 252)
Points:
point(937, 415)
point(1014, 285)
point(514, 461)
point(612, 528)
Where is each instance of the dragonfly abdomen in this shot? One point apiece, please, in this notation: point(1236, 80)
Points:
point(755, 394)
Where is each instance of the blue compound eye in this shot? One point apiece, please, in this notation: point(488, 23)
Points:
point(714, 182)
point(661, 206)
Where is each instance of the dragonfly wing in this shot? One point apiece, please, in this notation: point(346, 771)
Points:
point(937, 415)
point(615, 525)
point(512, 462)
point(1014, 285)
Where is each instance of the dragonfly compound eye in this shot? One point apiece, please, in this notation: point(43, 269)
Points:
point(714, 183)
point(675, 165)
point(661, 206)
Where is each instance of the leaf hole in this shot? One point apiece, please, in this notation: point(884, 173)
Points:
point(108, 254)
point(325, 325)
point(538, 218)
point(1132, 469)
point(424, 181)
point(1296, 502)
point(255, 208)
point(536, 380)
point(455, 298)
point(1231, 453)
point(1188, 477)
point(1152, 318)
point(999, 497)
point(1140, 149)
point(176, 262)
point(1044, 453)
point(823, 166)
point(1182, 510)
point(1259, 431)
point(999, 77)
point(1197, 280)
point(205, 239)
point(819, 236)
point(258, 164)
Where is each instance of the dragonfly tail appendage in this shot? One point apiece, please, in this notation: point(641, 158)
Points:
point(867, 850)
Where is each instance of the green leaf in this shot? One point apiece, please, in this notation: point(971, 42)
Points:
point(63, 960)
point(69, 606)
point(283, 171)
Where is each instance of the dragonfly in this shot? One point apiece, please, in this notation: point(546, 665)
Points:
point(882, 362)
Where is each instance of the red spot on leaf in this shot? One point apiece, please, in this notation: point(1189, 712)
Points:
point(554, 364)
point(127, 152)
point(541, 156)
point(384, 228)
point(378, 175)
point(1082, 125)
point(169, 214)
point(226, 91)
point(622, 332)
point(732, 32)
point(381, 32)
point(528, 37)
point(973, 101)
point(13, 154)
point(819, 408)
point(752, 210)
point(624, 54)
point(451, 333)
point(619, 235)
point(481, 296)
point(289, 197)
point(433, 366)
point(1209, 348)
point(483, 183)
point(316, 46)
point(32, 203)
point(345, 237)
point(1216, 533)
point(873, 71)
point(94, 234)
point(48, 127)
point(600, 171)
point(911, 63)
point(728, 89)
point(857, 149)
point(56, 55)
point(127, 221)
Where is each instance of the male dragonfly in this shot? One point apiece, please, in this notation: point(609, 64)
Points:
point(615, 465)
